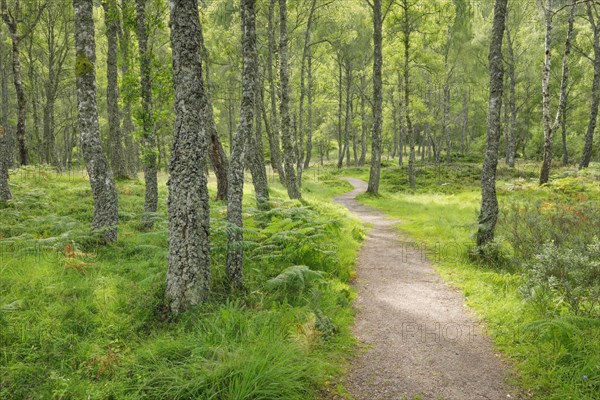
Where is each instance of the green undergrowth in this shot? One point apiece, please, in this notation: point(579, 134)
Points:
point(79, 320)
point(545, 252)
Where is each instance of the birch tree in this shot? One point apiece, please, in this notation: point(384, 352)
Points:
point(106, 209)
point(188, 277)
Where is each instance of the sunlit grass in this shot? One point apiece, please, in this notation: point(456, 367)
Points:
point(84, 321)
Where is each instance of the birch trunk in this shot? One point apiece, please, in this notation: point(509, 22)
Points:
point(489, 202)
point(188, 277)
point(106, 210)
point(149, 145)
point(286, 132)
point(373, 187)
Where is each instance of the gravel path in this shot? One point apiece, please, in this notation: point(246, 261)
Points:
point(420, 340)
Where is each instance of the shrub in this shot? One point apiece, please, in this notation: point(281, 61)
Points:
point(572, 277)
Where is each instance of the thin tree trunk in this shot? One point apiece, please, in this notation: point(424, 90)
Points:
point(400, 118)
point(549, 126)
point(310, 110)
point(188, 277)
point(115, 140)
point(512, 128)
point(5, 150)
point(286, 133)
point(149, 145)
point(243, 135)
point(363, 118)
point(131, 146)
point(106, 208)
point(489, 202)
point(373, 187)
point(409, 128)
point(305, 55)
point(589, 135)
point(563, 124)
point(255, 157)
point(274, 146)
point(339, 114)
point(218, 158)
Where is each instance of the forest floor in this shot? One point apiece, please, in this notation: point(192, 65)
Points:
point(419, 338)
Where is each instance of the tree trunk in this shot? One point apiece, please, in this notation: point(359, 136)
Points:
point(512, 128)
point(188, 277)
point(401, 126)
point(409, 128)
point(106, 208)
point(149, 145)
point(309, 132)
point(218, 158)
point(243, 135)
point(115, 140)
point(286, 133)
point(274, 146)
point(489, 202)
point(589, 135)
point(373, 187)
point(255, 157)
point(549, 126)
point(363, 119)
point(305, 56)
point(339, 113)
point(131, 146)
point(21, 101)
point(563, 124)
point(5, 149)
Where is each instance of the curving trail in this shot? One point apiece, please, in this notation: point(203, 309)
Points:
point(420, 340)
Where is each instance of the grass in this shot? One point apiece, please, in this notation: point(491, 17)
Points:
point(556, 356)
point(82, 321)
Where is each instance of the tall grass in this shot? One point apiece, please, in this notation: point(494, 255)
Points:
point(83, 321)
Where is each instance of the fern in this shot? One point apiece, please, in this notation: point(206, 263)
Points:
point(297, 278)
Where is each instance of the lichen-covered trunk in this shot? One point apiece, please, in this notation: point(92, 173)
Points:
point(401, 132)
point(548, 132)
point(106, 210)
point(255, 157)
point(115, 140)
point(589, 134)
point(339, 113)
point(374, 174)
point(218, 158)
point(289, 155)
point(5, 148)
point(273, 132)
point(305, 56)
point(562, 101)
point(5, 194)
point(409, 127)
point(188, 277)
point(149, 145)
point(489, 202)
point(241, 139)
point(131, 145)
point(363, 120)
point(445, 121)
point(21, 101)
point(512, 127)
point(309, 131)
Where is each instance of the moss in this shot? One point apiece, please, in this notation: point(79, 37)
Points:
point(83, 65)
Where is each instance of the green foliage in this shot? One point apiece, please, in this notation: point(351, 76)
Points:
point(79, 320)
point(571, 276)
point(296, 278)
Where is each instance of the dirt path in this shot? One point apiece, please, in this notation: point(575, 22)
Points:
point(421, 341)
